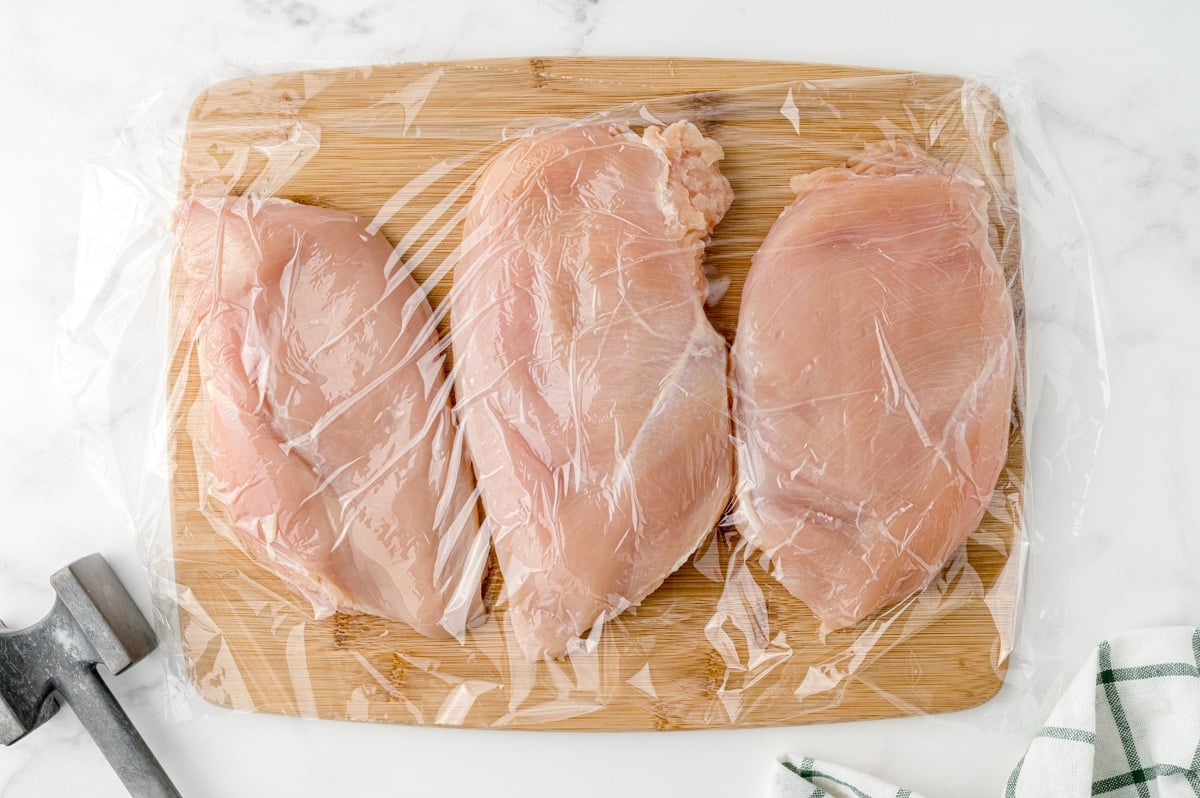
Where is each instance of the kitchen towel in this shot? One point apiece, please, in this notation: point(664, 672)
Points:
point(1128, 726)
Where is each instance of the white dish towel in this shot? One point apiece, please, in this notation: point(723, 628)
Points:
point(1128, 726)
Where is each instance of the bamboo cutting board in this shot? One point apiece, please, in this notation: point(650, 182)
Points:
point(399, 144)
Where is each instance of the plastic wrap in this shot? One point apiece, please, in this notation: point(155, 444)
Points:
point(642, 409)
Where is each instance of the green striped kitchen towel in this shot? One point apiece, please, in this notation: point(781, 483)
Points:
point(810, 778)
point(1128, 726)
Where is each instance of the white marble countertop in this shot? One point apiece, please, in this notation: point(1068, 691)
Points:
point(1121, 104)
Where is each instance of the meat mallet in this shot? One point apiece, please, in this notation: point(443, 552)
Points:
point(94, 621)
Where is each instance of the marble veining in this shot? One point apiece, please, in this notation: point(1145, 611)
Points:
point(1119, 101)
point(297, 14)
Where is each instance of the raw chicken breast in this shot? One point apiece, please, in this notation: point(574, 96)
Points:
point(873, 380)
point(591, 385)
point(332, 444)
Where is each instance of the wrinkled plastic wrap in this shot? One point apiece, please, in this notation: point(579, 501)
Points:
point(642, 409)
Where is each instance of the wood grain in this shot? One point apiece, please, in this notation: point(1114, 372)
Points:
point(400, 144)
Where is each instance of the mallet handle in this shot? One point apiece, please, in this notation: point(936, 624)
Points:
point(100, 713)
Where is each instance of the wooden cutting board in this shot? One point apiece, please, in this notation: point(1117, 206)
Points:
point(399, 144)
